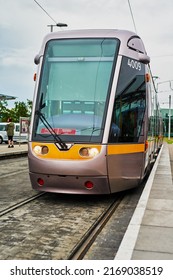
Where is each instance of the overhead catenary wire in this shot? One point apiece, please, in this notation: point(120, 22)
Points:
point(51, 25)
point(131, 12)
point(46, 12)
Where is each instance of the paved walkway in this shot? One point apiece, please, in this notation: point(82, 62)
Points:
point(149, 235)
point(6, 152)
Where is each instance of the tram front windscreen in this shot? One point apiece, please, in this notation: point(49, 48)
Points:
point(74, 88)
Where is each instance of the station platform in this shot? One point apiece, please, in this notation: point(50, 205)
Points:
point(149, 235)
point(19, 149)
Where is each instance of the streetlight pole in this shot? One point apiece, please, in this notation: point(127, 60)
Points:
point(169, 130)
point(58, 24)
point(51, 25)
point(169, 125)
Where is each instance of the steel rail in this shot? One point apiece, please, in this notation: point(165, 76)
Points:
point(13, 173)
point(17, 205)
point(80, 250)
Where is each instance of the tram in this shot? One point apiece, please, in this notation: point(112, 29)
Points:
point(96, 125)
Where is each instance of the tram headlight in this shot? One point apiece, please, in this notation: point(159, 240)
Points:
point(88, 152)
point(93, 152)
point(41, 150)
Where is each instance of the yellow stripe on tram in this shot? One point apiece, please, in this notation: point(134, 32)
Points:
point(126, 149)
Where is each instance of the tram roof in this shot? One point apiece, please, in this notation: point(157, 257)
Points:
point(131, 44)
point(92, 33)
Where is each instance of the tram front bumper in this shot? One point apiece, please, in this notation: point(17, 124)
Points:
point(70, 184)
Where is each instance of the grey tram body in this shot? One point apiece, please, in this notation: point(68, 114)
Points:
point(122, 160)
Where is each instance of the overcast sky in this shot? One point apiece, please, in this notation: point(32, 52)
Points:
point(23, 24)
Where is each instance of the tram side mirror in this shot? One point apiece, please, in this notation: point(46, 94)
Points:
point(135, 43)
point(144, 58)
point(37, 59)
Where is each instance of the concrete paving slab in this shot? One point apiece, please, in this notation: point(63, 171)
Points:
point(160, 204)
point(165, 178)
point(155, 239)
point(6, 152)
point(161, 193)
point(163, 218)
point(162, 186)
point(144, 255)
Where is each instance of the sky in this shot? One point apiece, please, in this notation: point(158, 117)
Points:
point(23, 24)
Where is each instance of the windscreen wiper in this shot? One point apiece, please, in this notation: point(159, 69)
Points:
point(63, 145)
point(58, 141)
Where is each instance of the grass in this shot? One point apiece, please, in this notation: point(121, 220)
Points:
point(169, 141)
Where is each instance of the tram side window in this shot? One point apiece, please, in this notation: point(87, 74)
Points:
point(129, 105)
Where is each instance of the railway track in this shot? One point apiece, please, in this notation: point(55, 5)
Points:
point(53, 226)
point(80, 250)
point(75, 248)
point(17, 205)
point(56, 236)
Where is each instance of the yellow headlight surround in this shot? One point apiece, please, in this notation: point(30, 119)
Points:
point(88, 152)
point(41, 150)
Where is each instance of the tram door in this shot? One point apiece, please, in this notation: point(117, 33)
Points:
point(126, 139)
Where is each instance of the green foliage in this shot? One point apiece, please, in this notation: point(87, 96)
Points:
point(21, 109)
point(4, 111)
point(169, 141)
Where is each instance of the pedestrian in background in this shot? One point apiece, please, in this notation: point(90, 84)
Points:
point(10, 132)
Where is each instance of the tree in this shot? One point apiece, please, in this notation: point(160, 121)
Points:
point(29, 106)
point(21, 109)
point(4, 111)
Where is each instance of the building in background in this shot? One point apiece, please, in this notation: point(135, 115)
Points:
point(165, 116)
point(6, 97)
